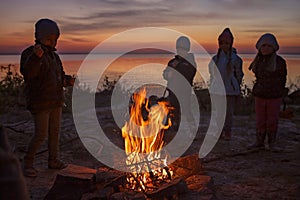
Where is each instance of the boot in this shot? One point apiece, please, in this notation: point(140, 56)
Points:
point(28, 168)
point(227, 135)
point(34, 145)
point(53, 161)
point(56, 164)
point(272, 142)
point(260, 141)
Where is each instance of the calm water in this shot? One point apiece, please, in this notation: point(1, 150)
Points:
point(136, 69)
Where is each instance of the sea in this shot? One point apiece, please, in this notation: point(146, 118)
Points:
point(133, 71)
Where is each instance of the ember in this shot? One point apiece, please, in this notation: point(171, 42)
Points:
point(143, 135)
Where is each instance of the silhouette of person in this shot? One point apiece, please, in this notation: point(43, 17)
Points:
point(229, 65)
point(12, 182)
point(44, 81)
point(269, 88)
point(181, 69)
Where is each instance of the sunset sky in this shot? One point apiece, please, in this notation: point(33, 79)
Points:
point(85, 23)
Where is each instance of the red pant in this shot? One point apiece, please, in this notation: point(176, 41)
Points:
point(267, 114)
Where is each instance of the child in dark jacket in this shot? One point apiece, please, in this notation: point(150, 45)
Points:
point(181, 69)
point(44, 80)
point(270, 72)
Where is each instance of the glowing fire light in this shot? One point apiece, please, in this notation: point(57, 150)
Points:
point(143, 135)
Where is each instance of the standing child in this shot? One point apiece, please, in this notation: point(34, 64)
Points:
point(229, 65)
point(270, 72)
point(182, 68)
point(44, 80)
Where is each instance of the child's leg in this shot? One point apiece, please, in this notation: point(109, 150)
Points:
point(218, 108)
point(261, 114)
point(261, 118)
point(41, 130)
point(273, 110)
point(231, 103)
point(54, 130)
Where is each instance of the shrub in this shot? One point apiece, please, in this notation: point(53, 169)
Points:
point(11, 89)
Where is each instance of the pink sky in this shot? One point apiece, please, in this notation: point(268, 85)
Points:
point(84, 24)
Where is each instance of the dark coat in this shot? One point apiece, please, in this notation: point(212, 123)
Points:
point(185, 68)
point(176, 85)
point(44, 79)
point(270, 84)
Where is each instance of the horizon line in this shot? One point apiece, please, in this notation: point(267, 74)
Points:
point(66, 53)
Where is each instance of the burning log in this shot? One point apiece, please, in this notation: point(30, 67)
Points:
point(143, 136)
point(76, 182)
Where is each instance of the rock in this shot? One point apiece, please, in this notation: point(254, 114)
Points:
point(187, 166)
point(106, 175)
point(198, 182)
point(169, 190)
point(118, 196)
point(71, 183)
point(103, 194)
point(78, 172)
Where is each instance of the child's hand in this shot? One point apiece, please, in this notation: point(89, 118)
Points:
point(167, 74)
point(72, 81)
point(68, 81)
point(38, 50)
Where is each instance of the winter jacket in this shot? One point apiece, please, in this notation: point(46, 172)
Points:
point(43, 79)
point(179, 84)
point(270, 84)
point(231, 74)
point(184, 67)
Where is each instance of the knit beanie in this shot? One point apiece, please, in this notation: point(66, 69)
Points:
point(226, 35)
point(45, 27)
point(267, 38)
point(183, 42)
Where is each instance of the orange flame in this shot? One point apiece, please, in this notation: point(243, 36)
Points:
point(143, 135)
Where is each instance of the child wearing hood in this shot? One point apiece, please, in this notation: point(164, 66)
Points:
point(229, 65)
point(44, 81)
point(270, 72)
point(180, 70)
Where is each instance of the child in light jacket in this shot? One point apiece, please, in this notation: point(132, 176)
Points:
point(229, 65)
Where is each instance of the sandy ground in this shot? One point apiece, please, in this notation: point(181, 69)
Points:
point(236, 172)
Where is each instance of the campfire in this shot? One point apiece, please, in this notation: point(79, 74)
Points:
point(143, 136)
point(148, 176)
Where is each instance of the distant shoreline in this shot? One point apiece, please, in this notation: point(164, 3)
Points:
point(86, 53)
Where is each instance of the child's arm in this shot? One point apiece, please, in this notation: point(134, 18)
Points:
point(67, 79)
point(31, 62)
point(238, 70)
point(282, 72)
point(211, 69)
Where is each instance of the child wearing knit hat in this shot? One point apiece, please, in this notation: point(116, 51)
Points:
point(44, 81)
point(270, 71)
point(229, 65)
